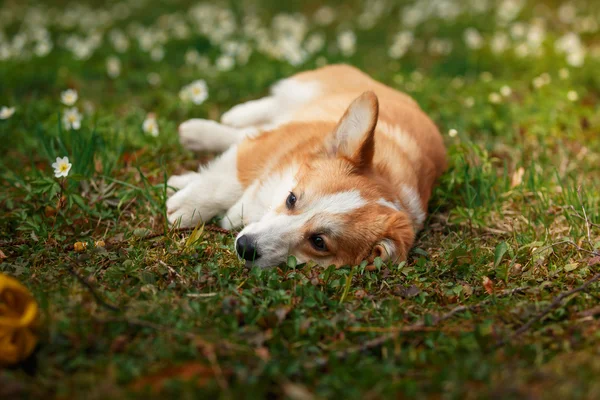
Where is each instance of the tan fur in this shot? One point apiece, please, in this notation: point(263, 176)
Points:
point(404, 149)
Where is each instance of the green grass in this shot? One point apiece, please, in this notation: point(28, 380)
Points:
point(188, 305)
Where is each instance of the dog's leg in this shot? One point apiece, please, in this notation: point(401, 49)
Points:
point(213, 190)
point(286, 97)
point(246, 210)
point(206, 135)
point(252, 113)
point(178, 182)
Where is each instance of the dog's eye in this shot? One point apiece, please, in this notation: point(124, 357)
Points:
point(318, 243)
point(291, 200)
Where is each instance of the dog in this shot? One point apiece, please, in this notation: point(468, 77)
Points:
point(332, 167)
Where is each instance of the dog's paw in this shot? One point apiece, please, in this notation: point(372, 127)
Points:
point(251, 113)
point(178, 182)
point(199, 134)
point(182, 209)
point(238, 117)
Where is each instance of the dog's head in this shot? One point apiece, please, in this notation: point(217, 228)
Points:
point(332, 210)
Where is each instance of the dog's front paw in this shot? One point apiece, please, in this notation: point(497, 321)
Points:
point(178, 182)
point(194, 134)
point(182, 209)
point(238, 117)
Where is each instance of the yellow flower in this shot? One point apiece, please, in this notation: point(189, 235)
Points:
point(18, 318)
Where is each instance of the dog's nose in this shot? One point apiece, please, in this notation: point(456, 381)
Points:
point(246, 248)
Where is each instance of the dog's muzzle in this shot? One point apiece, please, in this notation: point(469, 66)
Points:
point(245, 246)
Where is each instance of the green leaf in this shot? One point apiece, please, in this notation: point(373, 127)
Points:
point(501, 249)
point(292, 262)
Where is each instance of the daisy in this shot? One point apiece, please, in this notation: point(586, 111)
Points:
point(62, 166)
point(150, 125)
point(505, 91)
point(6, 112)
point(113, 67)
point(346, 42)
point(72, 118)
point(69, 97)
point(494, 98)
point(198, 91)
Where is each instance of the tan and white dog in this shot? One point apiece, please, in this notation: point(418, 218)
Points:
point(333, 167)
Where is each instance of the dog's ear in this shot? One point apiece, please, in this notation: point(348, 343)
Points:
point(397, 240)
point(353, 137)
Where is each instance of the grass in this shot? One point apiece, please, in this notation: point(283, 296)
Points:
point(514, 223)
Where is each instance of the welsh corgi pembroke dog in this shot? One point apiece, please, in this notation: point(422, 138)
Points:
point(332, 167)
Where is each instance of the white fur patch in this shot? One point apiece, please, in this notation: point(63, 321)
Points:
point(207, 135)
point(291, 95)
point(251, 113)
point(293, 92)
point(395, 205)
point(405, 140)
point(270, 112)
point(412, 201)
point(276, 233)
point(389, 250)
point(213, 190)
point(261, 197)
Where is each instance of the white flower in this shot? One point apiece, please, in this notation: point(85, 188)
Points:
point(440, 46)
point(153, 78)
point(192, 56)
point(499, 42)
point(346, 41)
point(473, 39)
point(452, 132)
point(6, 112)
point(69, 97)
point(457, 82)
point(402, 42)
point(225, 63)
point(508, 10)
point(567, 13)
point(113, 67)
point(469, 102)
point(62, 166)
point(196, 92)
point(72, 118)
point(576, 58)
point(314, 43)
point(572, 95)
point(505, 91)
point(43, 48)
point(324, 15)
point(150, 125)
point(517, 30)
point(542, 80)
point(157, 54)
point(486, 76)
point(494, 98)
point(563, 73)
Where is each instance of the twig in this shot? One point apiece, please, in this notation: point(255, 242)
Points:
point(555, 303)
point(576, 214)
point(417, 326)
point(210, 228)
point(587, 222)
point(134, 322)
point(10, 243)
point(95, 294)
point(569, 242)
